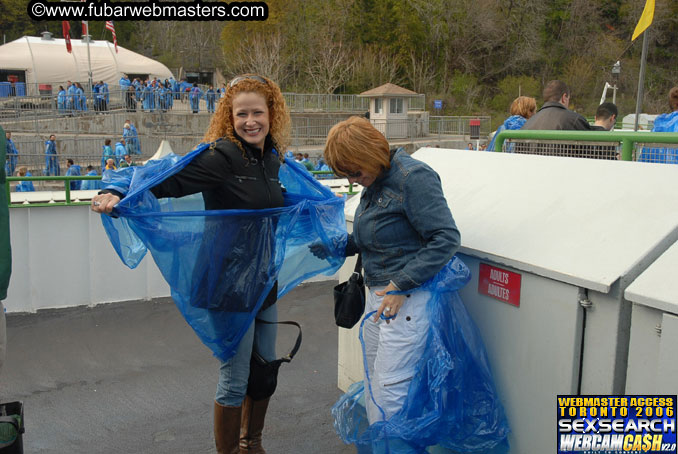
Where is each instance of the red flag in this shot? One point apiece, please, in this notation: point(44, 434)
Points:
point(66, 26)
point(85, 32)
point(109, 26)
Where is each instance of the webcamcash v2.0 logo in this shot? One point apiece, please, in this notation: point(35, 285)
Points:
point(616, 424)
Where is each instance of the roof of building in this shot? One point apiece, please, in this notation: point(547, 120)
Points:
point(388, 89)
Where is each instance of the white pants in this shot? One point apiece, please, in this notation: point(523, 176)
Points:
point(392, 351)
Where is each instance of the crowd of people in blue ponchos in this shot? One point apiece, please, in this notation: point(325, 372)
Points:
point(148, 95)
point(112, 157)
point(152, 95)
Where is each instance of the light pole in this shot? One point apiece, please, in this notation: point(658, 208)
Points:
point(616, 69)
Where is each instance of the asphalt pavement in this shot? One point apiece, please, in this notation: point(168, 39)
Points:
point(133, 378)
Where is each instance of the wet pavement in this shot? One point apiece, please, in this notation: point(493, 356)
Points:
point(133, 378)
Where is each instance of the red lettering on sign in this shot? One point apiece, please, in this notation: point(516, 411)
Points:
point(499, 284)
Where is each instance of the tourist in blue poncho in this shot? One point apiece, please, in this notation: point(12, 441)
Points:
point(196, 93)
point(106, 153)
point(120, 151)
point(61, 100)
point(223, 264)
point(667, 122)
point(131, 136)
point(90, 184)
point(147, 94)
point(71, 89)
point(98, 97)
point(210, 98)
point(426, 379)
point(51, 160)
point(169, 98)
point(107, 95)
point(522, 108)
point(71, 171)
point(81, 99)
point(124, 83)
point(12, 154)
point(24, 186)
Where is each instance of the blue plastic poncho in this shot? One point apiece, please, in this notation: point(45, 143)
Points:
point(72, 171)
point(663, 123)
point(221, 264)
point(51, 160)
point(511, 123)
point(451, 401)
point(12, 157)
point(25, 186)
point(88, 185)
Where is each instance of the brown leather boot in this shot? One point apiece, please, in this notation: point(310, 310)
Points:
point(226, 428)
point(252, 424)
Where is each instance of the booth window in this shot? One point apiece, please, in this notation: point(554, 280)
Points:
point(377, 105)
point(396, 105)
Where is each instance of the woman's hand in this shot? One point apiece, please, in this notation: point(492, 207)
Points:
point(391, 304)
point(104, 203)
point(319, 250)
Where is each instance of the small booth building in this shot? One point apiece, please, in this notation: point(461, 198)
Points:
point(389, 104)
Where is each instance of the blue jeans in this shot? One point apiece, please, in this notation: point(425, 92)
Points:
point(234, 373)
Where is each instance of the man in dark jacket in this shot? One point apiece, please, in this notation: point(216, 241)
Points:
point(5, 250)
point(554, 114)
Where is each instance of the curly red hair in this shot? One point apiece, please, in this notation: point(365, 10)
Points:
point(221, 124)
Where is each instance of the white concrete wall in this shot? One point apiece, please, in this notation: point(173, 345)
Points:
point(62, 257)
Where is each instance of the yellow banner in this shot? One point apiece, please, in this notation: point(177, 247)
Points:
point(645, 19)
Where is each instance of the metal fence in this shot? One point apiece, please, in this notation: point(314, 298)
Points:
point(48, 106)
point(659, 147)
point(45, 103)
point(83, 150)
point(313, 131)
point(572, 149)
point(656, 152)
point(458, 126)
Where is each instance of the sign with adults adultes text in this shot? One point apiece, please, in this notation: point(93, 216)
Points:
point(616, 424)
point(499, 284)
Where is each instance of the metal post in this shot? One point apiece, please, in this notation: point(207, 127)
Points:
point(627, 149)
point(641, 80)
point(67, 185)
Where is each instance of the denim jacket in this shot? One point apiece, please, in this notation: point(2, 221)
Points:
point(403, 226)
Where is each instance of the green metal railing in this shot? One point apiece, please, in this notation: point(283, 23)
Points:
point(67, 187)
point(627, 139)
point(329, 172)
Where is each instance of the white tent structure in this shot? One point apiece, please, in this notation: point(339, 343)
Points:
point(163, 150)
point(46, 61)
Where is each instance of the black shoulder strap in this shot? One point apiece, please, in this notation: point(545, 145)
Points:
point(358, 264)
point(287, 358)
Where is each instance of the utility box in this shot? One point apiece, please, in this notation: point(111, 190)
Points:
point(474, 126)
point(653, 349)
point(552, 243)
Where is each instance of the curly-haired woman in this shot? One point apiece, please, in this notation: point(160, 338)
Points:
point(239, 172)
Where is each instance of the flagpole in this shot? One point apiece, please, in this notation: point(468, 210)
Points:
point(641, 79)
point(89, 64)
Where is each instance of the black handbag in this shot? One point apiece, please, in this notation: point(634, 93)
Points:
point(349, 298)
point(263, 377)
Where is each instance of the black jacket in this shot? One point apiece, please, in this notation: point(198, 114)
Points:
point(227, 180)
point(555, 116)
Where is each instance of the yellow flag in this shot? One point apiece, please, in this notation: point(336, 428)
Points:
point(645, 19)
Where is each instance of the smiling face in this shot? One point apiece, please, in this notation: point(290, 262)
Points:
point(251, 119)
